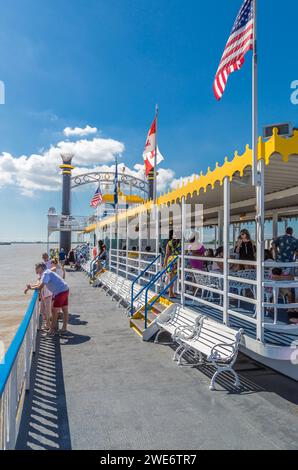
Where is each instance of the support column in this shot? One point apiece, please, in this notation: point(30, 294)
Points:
point(220, 228)
point(183, 230)
point(140, 246)
point(275, 225)
point(117, 244)
point(65, 236)
point(127, 248)
point(158, 238)
point(226, 244)
point(260, 220)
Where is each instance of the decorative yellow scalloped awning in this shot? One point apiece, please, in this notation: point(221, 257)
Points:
point(285, 147)
point(127, 199)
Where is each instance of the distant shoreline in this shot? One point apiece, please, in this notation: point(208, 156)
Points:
point(26, 243)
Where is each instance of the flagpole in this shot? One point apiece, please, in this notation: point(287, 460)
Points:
point(255, 176)
point(116, 208)
point(155, 158)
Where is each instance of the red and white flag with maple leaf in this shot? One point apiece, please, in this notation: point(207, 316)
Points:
point(150, 148)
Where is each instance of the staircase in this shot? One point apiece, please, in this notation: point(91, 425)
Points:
point(142, 321)
point(137, 321)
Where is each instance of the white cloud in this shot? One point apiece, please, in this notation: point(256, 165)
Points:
point(79, 131)
point(40, 172)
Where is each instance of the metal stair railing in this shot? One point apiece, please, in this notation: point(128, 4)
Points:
point(152, 282)
point(134, 298)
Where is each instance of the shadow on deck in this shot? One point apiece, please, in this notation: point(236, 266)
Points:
point(44, 424)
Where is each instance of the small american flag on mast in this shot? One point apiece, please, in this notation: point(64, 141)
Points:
point(239, 43)
point(97, 198)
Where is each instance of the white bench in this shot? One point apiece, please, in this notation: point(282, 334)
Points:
point(177, 319)
point(218, 343)
point(100, 279)
point(108, 280)
point(120, 287)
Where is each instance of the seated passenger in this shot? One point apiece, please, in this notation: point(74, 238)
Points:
point(279, 275)
point(216, 266)
point(209, 253)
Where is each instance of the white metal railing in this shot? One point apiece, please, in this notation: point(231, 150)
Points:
point(15, 376)
point(211, 286)
point(131, 264)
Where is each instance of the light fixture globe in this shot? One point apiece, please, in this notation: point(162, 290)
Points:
point(67, 158)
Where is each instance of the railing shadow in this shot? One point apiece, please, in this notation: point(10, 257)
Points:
point(44, 423)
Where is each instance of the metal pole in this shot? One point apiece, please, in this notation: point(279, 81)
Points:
point(255, 176)
point(127, 251)
point(157, 229)
point(155, 159)
point(260, 220)
point(226, 240)
point(117, 240)
point(140, 246)
point(183, 227)
point(275, 225)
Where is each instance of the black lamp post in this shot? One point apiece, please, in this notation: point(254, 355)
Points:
point(65, 235)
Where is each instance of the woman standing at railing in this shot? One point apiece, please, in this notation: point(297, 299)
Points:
point(245, 249)
point(172, 251)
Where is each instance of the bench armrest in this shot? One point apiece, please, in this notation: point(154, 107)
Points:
point(215, 355)
point(185, 332)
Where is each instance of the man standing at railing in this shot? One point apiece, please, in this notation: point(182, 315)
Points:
point(285, 248)
point(60, 292)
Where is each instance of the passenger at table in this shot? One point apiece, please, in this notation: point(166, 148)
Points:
point(209, 253)
point(216, 266)
point(285, 248)
point(279, 276)
point(196, 249)
point(268, 255)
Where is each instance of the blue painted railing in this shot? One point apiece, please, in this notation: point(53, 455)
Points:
point(15, 376)
point(9, 359)
point(134, 298)
point(151, 284)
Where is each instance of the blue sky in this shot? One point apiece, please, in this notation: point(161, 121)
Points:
point(105, 63)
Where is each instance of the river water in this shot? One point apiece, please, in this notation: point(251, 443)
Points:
point(17, 270)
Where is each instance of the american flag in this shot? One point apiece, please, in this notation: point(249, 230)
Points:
point(239, 43)
point(97, 198)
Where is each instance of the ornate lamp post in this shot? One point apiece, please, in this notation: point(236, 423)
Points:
point(66, 167)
